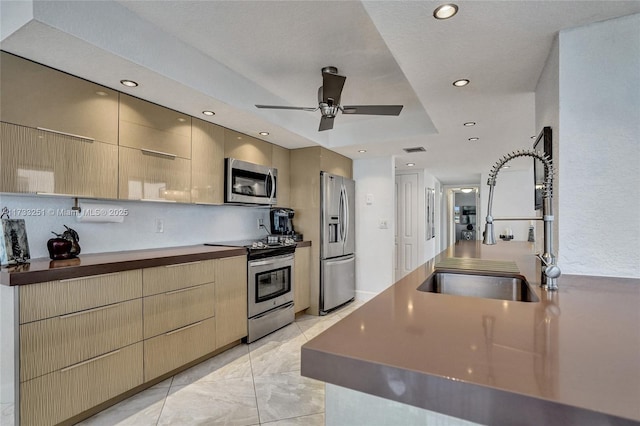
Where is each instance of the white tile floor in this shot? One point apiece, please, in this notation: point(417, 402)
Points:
point(255, 384)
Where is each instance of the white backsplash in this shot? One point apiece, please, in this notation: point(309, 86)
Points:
point(183, 224)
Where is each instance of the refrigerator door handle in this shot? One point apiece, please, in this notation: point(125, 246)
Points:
point(341, 214)
point(346, 213)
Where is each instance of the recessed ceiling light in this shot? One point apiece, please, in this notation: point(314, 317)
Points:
point(208, 113)
point(411, 164)
point(461, 83)
point(533, 137)
point(506, 167)
point(473, 139)
point(469, 123)
point(129, 83)
point(264, 133)
point(466, 190)
point(362, 151)
point(445, 11)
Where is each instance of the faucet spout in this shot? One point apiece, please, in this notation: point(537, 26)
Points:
point(550, 271)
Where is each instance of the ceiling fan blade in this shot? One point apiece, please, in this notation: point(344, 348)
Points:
point(372, 109)
point(326, 123)
point(332, 85)
point(286, 107)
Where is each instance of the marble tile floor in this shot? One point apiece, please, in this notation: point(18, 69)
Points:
point(255, 384)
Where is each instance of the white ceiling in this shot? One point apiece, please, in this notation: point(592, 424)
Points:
point(229, 55)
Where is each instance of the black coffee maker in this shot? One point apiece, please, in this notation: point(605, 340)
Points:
point(282, 221)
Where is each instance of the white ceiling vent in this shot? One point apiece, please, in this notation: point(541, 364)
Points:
point(415, 149)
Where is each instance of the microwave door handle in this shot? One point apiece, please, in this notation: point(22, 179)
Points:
point(273, 185)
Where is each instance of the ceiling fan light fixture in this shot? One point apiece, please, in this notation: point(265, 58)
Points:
point(445, 11)
point(462, 82)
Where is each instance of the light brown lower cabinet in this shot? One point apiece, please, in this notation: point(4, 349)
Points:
point(301, 278)
point(231, 300)
point(175, 348)
point(57, 396)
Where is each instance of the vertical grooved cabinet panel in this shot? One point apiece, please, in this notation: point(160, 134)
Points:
point(162, 279)
point(55, 397)
point(231, 300)
point(176, 348)
point(145, 125)
point(174, 309)
point(207, 163)
point(149, 176)
point(246, 148)
point(58, 342)
point(53, 298)
point(34, 95)
point(335, 163)
point(302, 276)
point(281, 161)
point(34, 160)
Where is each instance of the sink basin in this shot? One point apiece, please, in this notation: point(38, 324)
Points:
point(502, 287)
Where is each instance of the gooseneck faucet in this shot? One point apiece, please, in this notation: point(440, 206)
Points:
point(550, 271)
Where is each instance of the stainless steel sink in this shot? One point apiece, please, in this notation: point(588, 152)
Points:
point(502, 287)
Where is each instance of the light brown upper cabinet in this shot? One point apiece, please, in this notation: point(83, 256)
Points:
point(207, 164)
point(280, 160)
point(40, 97)
point(33, 161)
point(151, 176)
point(335, 163)
point(246, 148)
point(153, 128)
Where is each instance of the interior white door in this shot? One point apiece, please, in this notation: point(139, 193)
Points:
point(406, 224)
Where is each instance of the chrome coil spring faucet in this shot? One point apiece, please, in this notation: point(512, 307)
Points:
point(550, 271)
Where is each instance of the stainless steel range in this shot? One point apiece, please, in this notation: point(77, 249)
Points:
point(270, 274)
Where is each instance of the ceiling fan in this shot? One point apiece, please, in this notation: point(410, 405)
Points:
point(329, 101)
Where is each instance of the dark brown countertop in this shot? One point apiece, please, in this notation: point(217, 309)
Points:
point(40, 270)
point(572, 358)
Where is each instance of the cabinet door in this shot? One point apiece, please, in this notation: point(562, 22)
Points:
point(33, 161)
point(149, 176)
point(174, 309)
point(280, 160)
point(37, 96)
point(207, 164)
point(51, 344)
point(301, 278)
point(176, 348)
point(148, 126)
point(335, 163)
point(55, 397)
point(231, 300)
point(246, 148)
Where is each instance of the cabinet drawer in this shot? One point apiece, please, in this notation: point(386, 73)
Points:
point(39, 161)
point(53, 298)
point(174, 309)
point(54, 397)
point(178, 347)
point(37, 96)
point(58, 342)
point(145, 175)
point(145, 125)
point(181, 275)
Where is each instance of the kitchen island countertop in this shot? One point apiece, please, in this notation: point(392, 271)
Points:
point(571, 358)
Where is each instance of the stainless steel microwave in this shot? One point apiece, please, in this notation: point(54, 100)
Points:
point(248, 183)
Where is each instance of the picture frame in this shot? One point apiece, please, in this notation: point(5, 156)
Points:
point(542, 144)
point(14, 245)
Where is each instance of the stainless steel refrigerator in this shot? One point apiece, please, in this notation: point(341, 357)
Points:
point(337, 241)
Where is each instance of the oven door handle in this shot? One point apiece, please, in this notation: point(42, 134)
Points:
point(270, 260)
